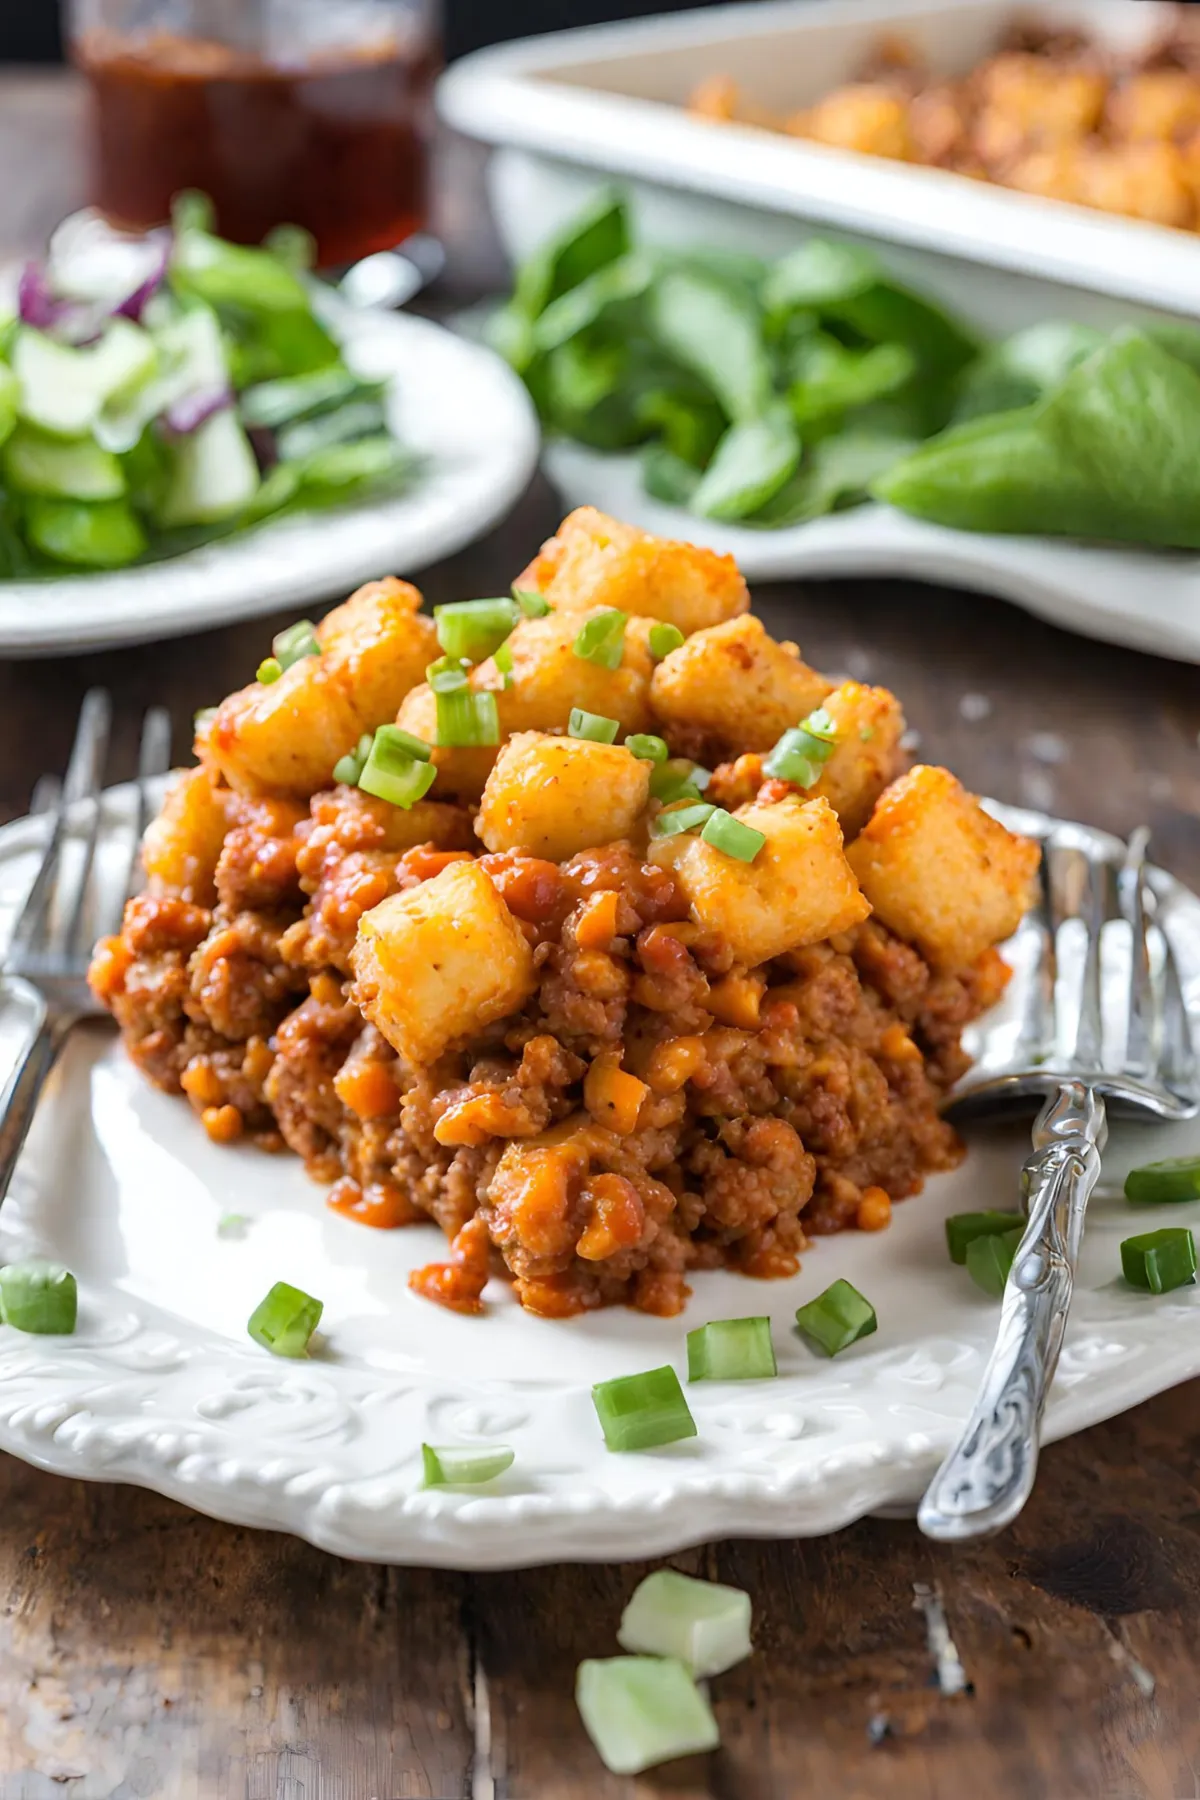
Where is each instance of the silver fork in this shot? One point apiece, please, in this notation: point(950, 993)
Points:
point(64, 912)
point(1058, 1058)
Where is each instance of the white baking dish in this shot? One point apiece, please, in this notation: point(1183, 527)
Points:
point(578, 107)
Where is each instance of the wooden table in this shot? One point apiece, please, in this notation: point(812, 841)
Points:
point(147, 1651)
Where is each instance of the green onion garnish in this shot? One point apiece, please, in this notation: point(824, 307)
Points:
point(456, 1465)
point(466, 720)
point(802, 752)
point(642, 1710)
point(285, 1321)
point(39, 1296)
point(990, 1257)
point(961, 1228)
point(678, 779)
point(1176, 1179)
point(269, 670)
point(602, 639)
point(837, 1318)
point(233, 1225)
point(397, 768)
point(729, 1350)
point(531, 604)
point(639, 1412)
point(448, 675)
point(475, 628)
point(703, 1624)
point(297, 642)
point(348, 768)
point(504, 662)
point(663, 639)
point(1160, 1260)
point(646, 747)
point(681, 818)
point(592, 726)
point(731, 836)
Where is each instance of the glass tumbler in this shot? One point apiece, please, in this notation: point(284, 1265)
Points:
point(310, 112)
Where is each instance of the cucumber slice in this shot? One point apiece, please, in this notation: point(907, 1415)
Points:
point(106, 535)
point(10, 397)
point(190, 357)
point(36, 464)
point(62, 389)
point(214, 474)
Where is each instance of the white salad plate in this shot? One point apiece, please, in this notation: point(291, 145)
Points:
point(161, 1386)
point(1144, 599)
point(460, 410)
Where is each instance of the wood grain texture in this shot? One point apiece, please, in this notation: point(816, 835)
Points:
point(146, 1651)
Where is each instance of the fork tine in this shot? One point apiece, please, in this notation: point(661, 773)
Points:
point(154, 759)
point(92, 728)
point(44, 799)
point(1138, 1058)
point(1037, 1019)
point(89, 775)
point(1179, 1069)
point(1079, 890)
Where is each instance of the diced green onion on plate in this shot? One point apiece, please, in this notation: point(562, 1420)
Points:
point(640, 1412)
point(467, 720)
point(348, 768)
point(643, 1710)
point(681, 818)
point(594, 727)
point(731, 1350)
point(1178, 1178)
point(284, 1322)
point(733, 837)
point(961, 1228)
point(802, 752)
point(531, 604)
point(647, 748)
point(448, 675)
point(1160, 1260)
point(837, 1318)
point(602, 639)
point(703, 1624)
point(297, 642)
point(663, 639)
point(397, 768)
point(463, 1465)
point(475, 628)
point(678, 779)
point(269, 670)
point(38, 1296)
point(990, 1257)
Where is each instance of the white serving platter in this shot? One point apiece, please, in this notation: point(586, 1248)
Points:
point(459, 408)
point(161, 1386)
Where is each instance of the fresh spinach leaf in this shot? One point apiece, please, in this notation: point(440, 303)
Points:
point(836, 472)
point(717, 334)
point(1025, 366)
point(668, 477)
point(751, 463)
point(690, 423)
point(600, 298)
point(829, 379)
point(599, 234)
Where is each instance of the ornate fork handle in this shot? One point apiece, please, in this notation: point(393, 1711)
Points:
point(22, 1091)
point(988, 1476)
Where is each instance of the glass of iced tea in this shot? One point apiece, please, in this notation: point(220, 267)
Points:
point(311, 112)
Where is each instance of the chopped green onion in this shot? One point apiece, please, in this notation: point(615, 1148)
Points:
point(39, 1296)
point(678, 779)
point(602, 639)
point(348, 768)
point(504, 662)
point(802, 752)
point(732, 836)
point(703, 1624)
point(961, 1228)
point(1160, 1260)
point(269, 670)
point(640, 1711)
point(475, 628)
point(1178, 1178)
point(729, 1350)
point(592, 726)
point(663, 639)
point(531, 604)
point(990, 1257)
point(285, 1321)
point(681, 818)
point(837, 1318)
point(866, 733)
point(646, 747)
point(232, 1225)
point(448, 675)
point(466, 720)
point(397, 768)
point(639, 1412)
point(457, 1465)
point(297, 642)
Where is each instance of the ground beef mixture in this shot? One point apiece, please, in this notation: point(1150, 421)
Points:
point(654, 1109)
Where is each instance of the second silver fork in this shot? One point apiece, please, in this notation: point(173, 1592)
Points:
point(986, 1479)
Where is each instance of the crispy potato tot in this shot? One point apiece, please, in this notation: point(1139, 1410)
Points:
point(461, 773)
point(596, 561)
point(798, 890)
point(182, 846)
point(554, 796)
point(286, 737)
point(737, 685)
point(869, 117)
point(436, 964)
point(355, 819)
point(939, 871)
point(870, 725)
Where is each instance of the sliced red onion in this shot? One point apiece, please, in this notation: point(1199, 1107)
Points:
point(189, 412)
point(35, 302)
point(132, 307)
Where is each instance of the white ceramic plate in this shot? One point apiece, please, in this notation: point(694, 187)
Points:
point(1146, 599)
point(161, 1386)
point(454, 403)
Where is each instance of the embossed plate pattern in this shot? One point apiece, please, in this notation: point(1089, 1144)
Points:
point(160, 1385)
